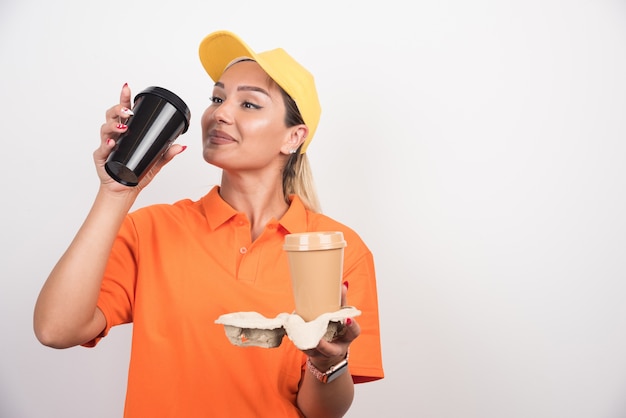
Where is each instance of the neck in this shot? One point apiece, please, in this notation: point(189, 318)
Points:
point(260, 199)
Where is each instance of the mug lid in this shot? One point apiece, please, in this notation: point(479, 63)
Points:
point(317, 240)
point(172, 98)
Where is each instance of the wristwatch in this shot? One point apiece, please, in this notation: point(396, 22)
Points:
point(330, 374)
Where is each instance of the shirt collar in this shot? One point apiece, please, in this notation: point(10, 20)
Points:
point(216, 210)
point(294, 220)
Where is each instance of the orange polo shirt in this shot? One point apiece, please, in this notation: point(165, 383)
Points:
point(174, 269)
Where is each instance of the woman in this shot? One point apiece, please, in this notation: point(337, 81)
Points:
point(172, 270)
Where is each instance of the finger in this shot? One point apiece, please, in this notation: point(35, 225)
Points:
point(344, 294)
point(327, 350)
point(112, 129)
point(123, 111)
point(339, 346)
point(352, 330)
point(172, 151)
point(118, 113)
point(101, 153)
point(105, 147)
point(125, 96)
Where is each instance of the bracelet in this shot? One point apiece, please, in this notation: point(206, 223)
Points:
point(330, 374)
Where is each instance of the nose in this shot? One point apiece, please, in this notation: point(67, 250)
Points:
point(222, 113)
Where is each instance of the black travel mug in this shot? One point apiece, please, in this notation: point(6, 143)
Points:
point(160, 116)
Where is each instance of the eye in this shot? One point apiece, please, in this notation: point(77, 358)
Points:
point(215, 99)
point(249, 105)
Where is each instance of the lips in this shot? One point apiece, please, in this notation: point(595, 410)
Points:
point(220, 137)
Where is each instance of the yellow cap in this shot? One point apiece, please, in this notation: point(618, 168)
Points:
point(219, 49)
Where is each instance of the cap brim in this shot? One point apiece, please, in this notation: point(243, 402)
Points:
point(219, 49)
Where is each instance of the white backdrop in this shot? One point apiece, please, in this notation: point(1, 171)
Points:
point(478, 147)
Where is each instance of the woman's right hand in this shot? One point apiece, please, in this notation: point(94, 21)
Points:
point(110, 132)
point(66, 312)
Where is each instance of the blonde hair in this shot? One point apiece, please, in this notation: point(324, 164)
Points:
point(298, 180)
point(297, 173)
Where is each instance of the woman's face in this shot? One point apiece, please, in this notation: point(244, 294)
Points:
point(244, 127)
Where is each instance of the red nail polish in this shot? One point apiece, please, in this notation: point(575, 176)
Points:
point(348, 322)
point(346, 284)
point(121, 126)
point(184, 147)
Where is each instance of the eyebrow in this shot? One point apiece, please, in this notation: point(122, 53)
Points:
point(245, 88)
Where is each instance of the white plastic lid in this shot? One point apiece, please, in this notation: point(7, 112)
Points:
point(318, 240)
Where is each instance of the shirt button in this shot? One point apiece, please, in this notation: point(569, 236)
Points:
point(243, 250)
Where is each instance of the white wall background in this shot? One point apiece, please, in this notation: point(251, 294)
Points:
point(478, 147)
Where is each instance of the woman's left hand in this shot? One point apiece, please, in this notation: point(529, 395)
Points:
point(329, 353)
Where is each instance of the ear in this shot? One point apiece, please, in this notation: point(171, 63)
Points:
point(296, 136)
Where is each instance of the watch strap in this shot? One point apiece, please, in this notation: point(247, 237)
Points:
point(332, 373)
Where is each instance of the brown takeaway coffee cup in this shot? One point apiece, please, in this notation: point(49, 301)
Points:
point(316, 268)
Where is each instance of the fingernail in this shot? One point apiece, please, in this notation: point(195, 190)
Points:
point(121, 126)
point(127, 111)
point(110, 141)
point(348, 322)
point(346, 284)
point(125, 85)
point(184, 148)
